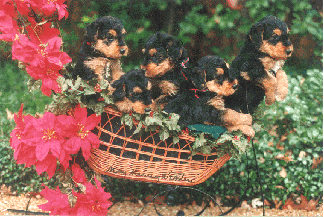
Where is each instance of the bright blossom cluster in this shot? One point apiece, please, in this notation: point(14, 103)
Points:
point(43, 141)
point(34, 42)
point(95, 201)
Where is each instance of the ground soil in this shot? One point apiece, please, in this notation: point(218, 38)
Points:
point(129, 209)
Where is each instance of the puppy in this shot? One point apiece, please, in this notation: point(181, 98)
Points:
point(258, 66)
point(165, 64)
point(205, 104)
point(132, 92)
point(101, 51)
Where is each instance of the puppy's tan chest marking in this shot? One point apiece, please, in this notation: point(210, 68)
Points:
point(105, 68)
point(271, 64)
point(116, 70)
point(97, 65)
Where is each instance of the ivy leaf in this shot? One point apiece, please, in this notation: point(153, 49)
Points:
point(77, 84)
point(199, 141)
point(127, 120)
point(164, 134)
point(176, 139)
point(139, 127)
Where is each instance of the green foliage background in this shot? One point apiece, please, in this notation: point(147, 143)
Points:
point(289, 128)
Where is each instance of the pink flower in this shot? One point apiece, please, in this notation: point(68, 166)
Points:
point(57, 203)
point(8, 27)
point(81, 135)
point(23, 153)
point(94, 202)
point(48, 164)
point(23, 6)
point(49, 7)
point(28, 51)
point(26, 155)
point(47, 136)
point(78, 174)
point(41, 34)
point(48, 73)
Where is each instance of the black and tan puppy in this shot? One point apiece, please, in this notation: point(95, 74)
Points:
point(132, 92)
point(258, 66)
point(205, 104)
point(165, 64)
point(101, 51)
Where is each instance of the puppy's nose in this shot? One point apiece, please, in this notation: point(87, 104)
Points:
point(147, 109)
point(235, 86)
point(288, 52)
point(122, 51)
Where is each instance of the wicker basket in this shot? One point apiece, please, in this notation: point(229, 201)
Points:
point(146, 158)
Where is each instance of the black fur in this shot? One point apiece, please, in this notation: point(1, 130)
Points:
point(124, 87)
point(168, 47)
point(97, 30)
point(250, 94)
point(192, 105)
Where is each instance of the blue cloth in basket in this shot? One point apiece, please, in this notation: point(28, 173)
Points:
point(216, 131)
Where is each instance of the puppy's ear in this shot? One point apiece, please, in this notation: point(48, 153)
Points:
point(256, 35)
point(119, 93)
point(198, 78)
point(92, 31)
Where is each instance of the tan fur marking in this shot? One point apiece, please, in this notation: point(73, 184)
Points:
point(137, 90)
point(268, 63)
point(277, 52)
point(157, 103)
point(139, 107)
point(245, 76)
point(277, 31)
point(168, 87)
point(149, 85)
point(220, 71)
point(227, 65)
point(218, 102)
point(226, 89)
point(208, 123)
point(269, 84)
point(124, 105)
point(116, 70)
point(97, 65)
point(232, 118)
point(152, 51)
point(112, 32)
point(246, 130)
point(153, 70)
point(282, 85)
point(123, 31)
point(112, 51)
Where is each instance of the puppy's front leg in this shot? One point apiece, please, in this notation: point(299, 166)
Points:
point(269, 84)
point(282, 85)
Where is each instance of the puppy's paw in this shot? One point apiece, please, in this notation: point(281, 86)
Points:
point(270, 99)
point(246, 119)
point(282, 85)
point(246, 130)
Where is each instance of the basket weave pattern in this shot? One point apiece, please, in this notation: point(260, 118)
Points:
point(145, 157)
